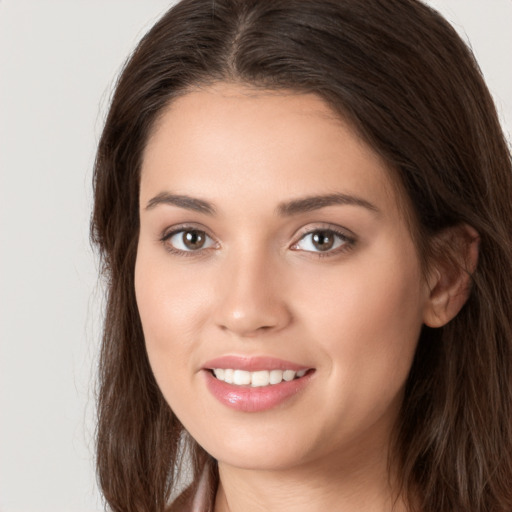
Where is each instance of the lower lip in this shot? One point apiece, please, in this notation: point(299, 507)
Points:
point(247, 399)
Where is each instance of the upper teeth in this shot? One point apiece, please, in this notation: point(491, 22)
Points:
point(256, 379)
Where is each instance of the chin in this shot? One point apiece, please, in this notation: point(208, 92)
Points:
point(261, 451)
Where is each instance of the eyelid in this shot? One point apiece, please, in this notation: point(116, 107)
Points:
point(325, 226)
point(176, 228)
point(171, 231)
point(345, 234)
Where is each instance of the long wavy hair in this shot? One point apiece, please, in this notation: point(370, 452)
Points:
point(405, 81)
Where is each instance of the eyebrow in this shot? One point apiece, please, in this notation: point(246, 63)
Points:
point(311, 203)
point(182, 201)
point(286, 209)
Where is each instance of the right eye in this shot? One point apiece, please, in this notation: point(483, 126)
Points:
point(188, 240)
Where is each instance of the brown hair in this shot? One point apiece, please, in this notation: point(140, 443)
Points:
point(399, 73)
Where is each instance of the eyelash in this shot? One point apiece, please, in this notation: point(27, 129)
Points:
point(347, 244)
point(164, 239)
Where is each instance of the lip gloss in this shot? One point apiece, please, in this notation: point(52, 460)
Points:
point(253, 399)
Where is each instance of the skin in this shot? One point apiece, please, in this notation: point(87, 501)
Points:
point(259, 287)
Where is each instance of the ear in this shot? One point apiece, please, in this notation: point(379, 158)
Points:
point(449, 278)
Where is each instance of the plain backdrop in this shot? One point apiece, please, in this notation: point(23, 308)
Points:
point(58, 62)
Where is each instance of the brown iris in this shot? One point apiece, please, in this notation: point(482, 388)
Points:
point(193, 240)
point(323, 240)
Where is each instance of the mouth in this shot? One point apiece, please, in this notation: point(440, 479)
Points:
point(257, 379)
point(255, 384)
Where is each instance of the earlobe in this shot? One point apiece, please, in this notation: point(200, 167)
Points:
point(449, 281)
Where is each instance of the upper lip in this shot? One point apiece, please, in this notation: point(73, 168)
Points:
point(252, 363)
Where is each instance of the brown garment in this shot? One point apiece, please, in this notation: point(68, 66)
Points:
point(198, 497)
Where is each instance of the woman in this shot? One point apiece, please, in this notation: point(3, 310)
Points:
point(303, 210)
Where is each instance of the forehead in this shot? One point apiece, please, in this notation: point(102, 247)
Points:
point(228, 139)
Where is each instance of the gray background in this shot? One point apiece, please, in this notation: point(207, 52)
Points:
point(58, 61)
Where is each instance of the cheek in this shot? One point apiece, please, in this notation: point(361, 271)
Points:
point(367, 322)
point(169, 306)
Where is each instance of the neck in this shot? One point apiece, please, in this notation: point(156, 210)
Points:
point(349, 486)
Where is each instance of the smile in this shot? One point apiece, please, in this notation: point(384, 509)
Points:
point(255, 384)
point(256, 379)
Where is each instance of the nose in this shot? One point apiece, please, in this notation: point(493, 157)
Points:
point(251, 297)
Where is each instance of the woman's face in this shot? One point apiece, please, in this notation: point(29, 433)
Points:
point(272, 247)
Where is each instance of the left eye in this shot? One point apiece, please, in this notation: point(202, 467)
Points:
point(188, 240)
point(322, 240)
